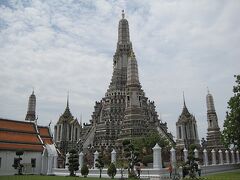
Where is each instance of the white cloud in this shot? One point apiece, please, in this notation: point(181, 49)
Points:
point(57, 46)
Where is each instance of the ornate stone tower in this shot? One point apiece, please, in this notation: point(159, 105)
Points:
point(187, 132)
point(213, 134)
point(125, 111)
point(67, 131)
point(31, 113)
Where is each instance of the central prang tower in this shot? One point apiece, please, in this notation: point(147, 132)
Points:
point(125, 112)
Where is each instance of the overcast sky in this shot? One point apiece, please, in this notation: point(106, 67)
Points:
point(67, 45)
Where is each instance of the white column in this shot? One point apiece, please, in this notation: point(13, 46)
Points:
point(43, 163)
point(227, 157)
point(66, 161)
point(233, 157)
point(237, 153)
point(55, 162)
point(185, 153)
point(173, 157)
point(195, 153)
point(50, 164)
point(205, 156)
point(80, 160)
point(61, 131)
point(157, 157)
point(220, 157)
point(213, 157)
point(113, 156)
point(95, 158)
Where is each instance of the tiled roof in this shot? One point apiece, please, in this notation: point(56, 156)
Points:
point(8, 136)
point(25, 147)
point(18, 126)
point(19, 135)
point(44, 131)
point(23, 135)
point(47, 140)
point(45, 134)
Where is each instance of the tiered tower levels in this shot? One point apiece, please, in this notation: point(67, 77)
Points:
point(125, 111)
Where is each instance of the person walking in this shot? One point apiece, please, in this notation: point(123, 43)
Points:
point(199, 170)
point(170, 169)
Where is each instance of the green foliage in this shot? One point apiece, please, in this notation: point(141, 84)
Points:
point(147, 142)
point(131, 154)
point(231, 131)
point(191, 166)
point(100, 164)
point(112, 171)
point(17, 163)
point(73, 164)
point(147, 159)
point(121, 164)
point(84, 170)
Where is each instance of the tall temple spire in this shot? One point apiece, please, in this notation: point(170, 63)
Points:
point(185, 109)
point(211, 113)
point(125, 111)
point(184, 104)
point(31, 112)
point(67, 112)
point(132, 71)
point(68, 99)
point(213, 134)
point(210, 102)
point(123, 31)
point(123, 14)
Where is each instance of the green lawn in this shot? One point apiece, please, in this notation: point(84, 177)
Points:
point(29, 177)
point(232, 175)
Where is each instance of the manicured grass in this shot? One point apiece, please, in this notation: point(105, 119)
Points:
point(33, 177)
point(232, 175)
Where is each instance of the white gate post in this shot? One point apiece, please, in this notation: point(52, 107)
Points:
point(113, 156)
point(205, 157)
point(227, 157)
point(220, 156)
point(233, 157)
point(66, 161)
point(173, 157)
point(185, 153)
point(80, 160)
point(195, 153)
point(95, 158)
point(213, 157)
point(237, 153)
point(157, 157)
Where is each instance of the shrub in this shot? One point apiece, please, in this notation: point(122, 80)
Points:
point(112, 171)
point(84, 170)
point(73, 164)
point(17, 163)
point(147, 159)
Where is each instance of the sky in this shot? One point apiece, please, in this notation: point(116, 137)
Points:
point(68, 45)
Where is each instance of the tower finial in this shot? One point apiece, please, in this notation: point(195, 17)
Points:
point(184, 100)
point(123, 14)
point(32, 90)
point(68, 99)
point(208, 90)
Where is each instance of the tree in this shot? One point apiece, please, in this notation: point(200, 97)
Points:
point(84, 170)
point(132, 155)
point(17, 162)
point(100, 164)
point(112, 171)
point(231, 131)
point(73, 164)
point(146, 144)
point(191, 166)
point(121, 164)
